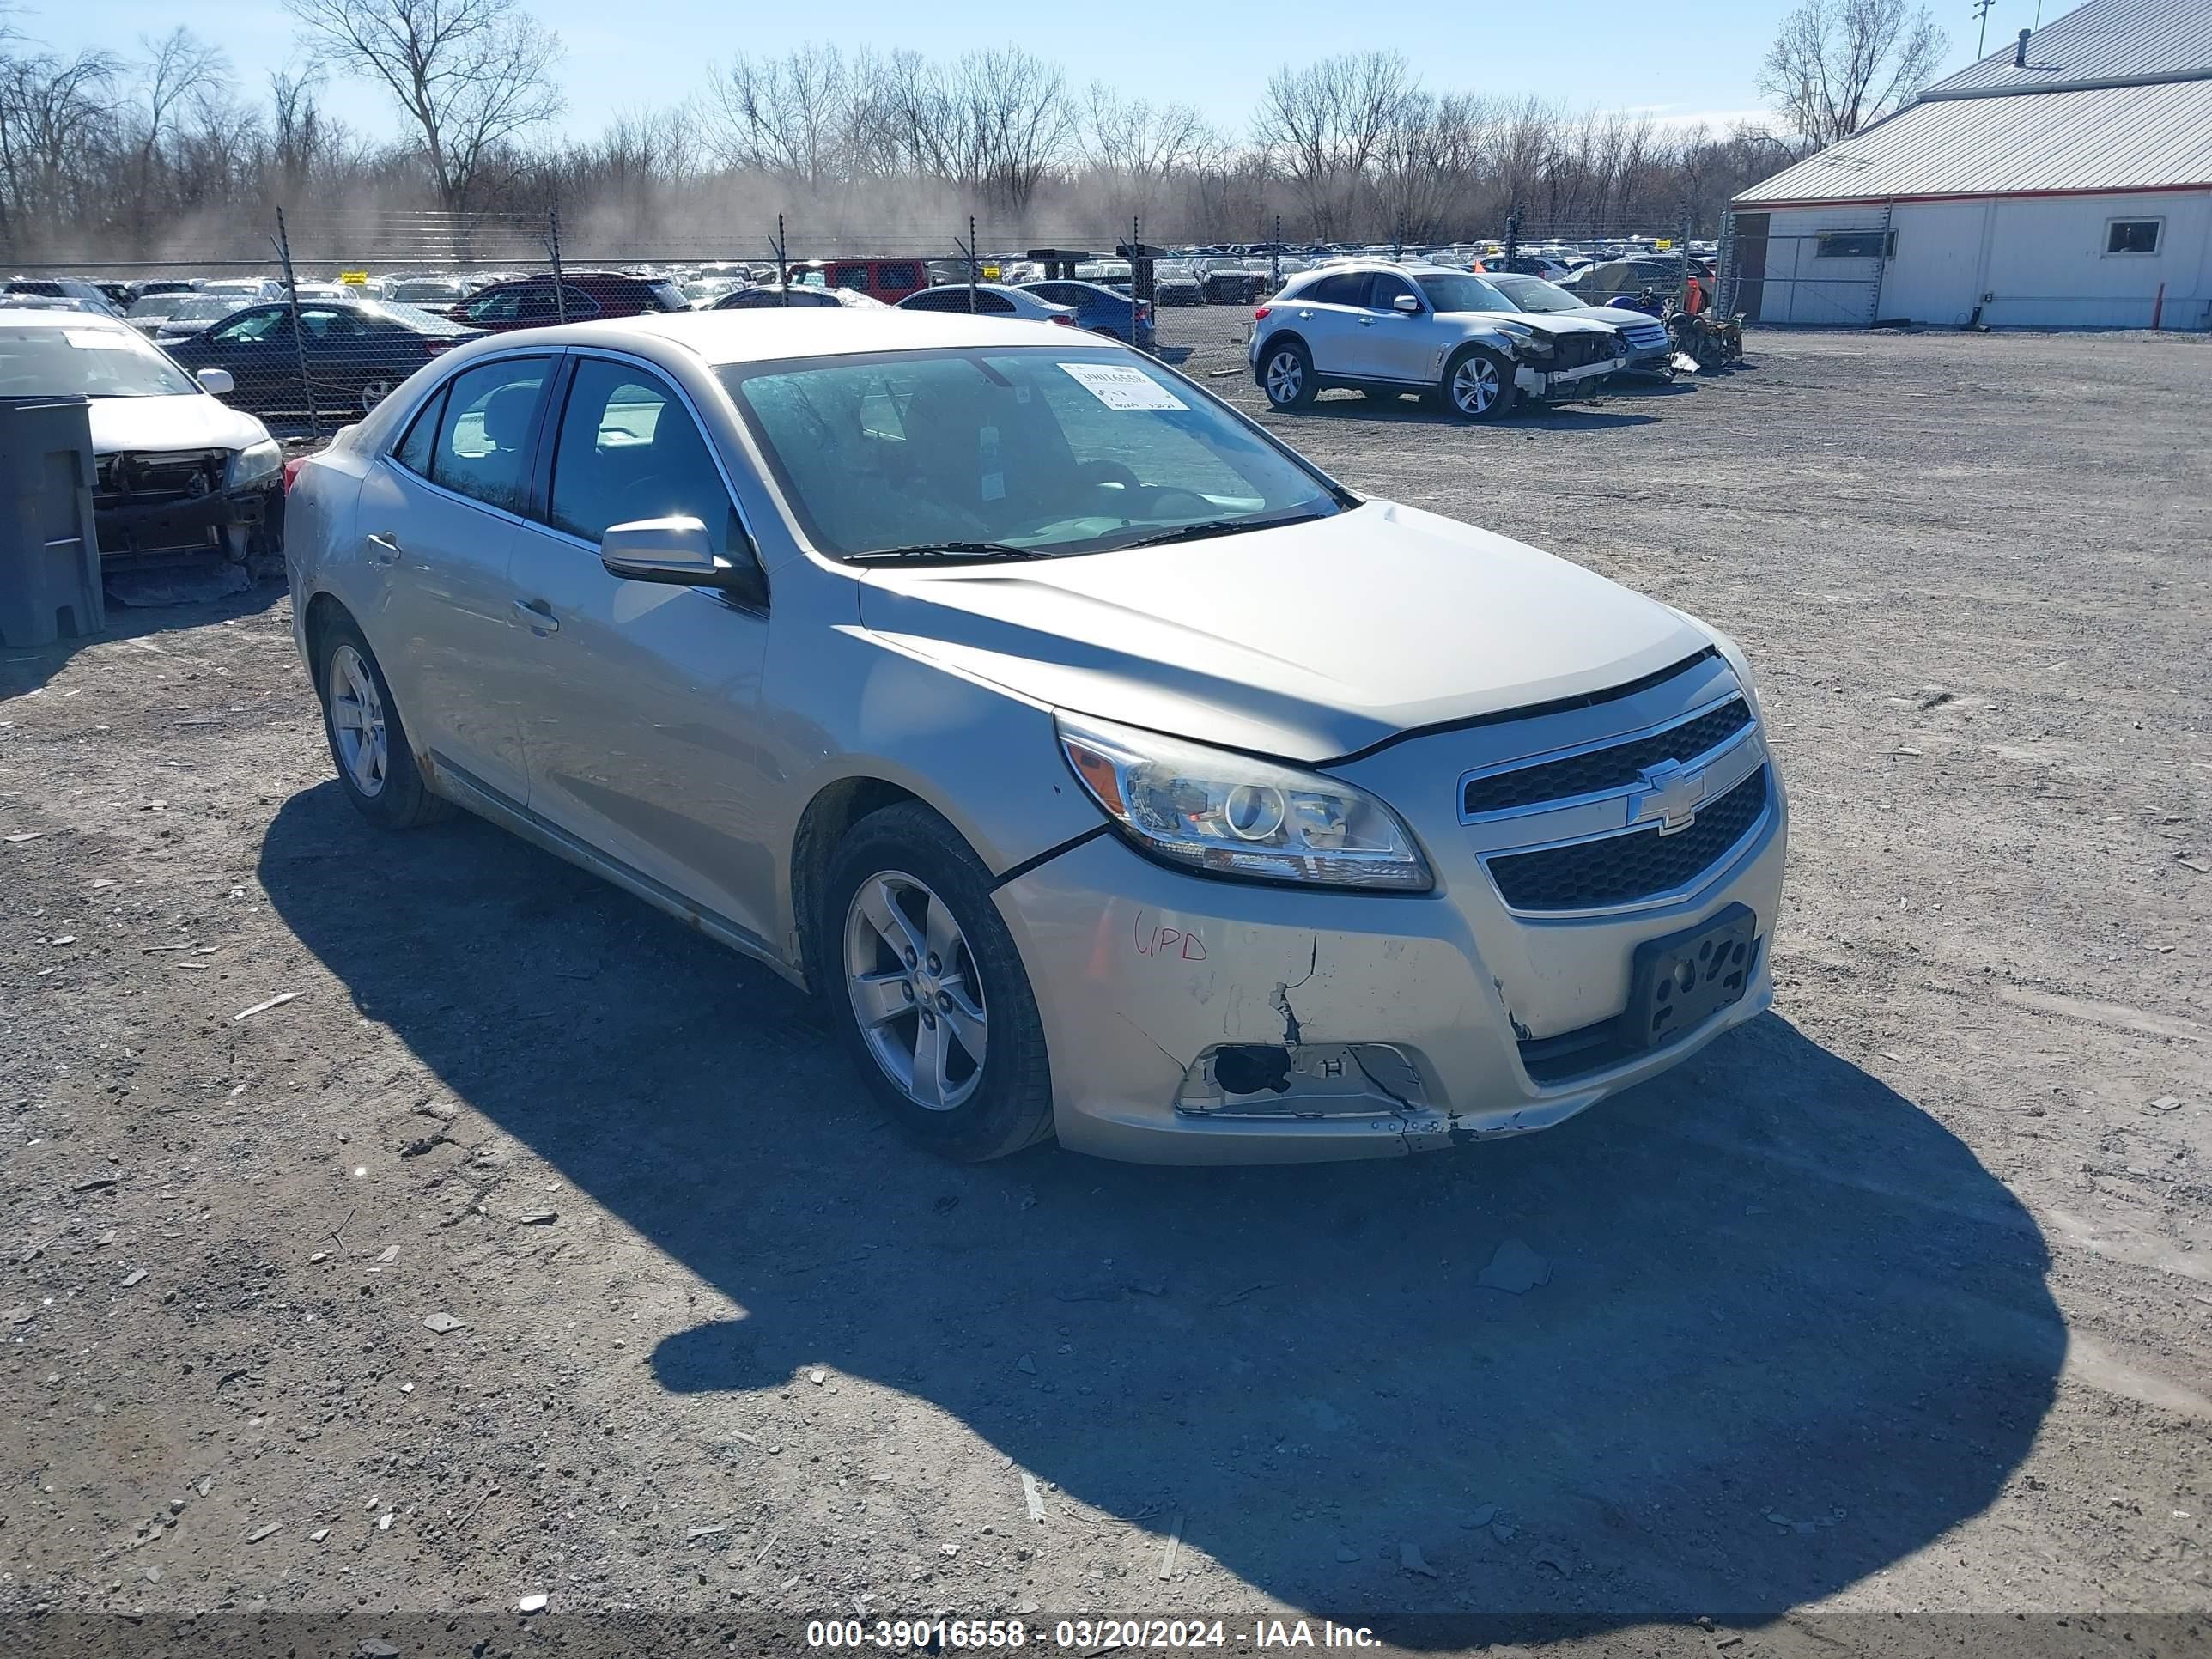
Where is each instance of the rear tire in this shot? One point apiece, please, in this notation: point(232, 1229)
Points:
point(369, 744)
point(921, 973)
point(1286, 376)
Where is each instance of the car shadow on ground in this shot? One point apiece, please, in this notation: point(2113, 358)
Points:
point(25, 668)
point(1786, 1329)
point(1526, 417)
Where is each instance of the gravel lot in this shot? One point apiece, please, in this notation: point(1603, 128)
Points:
point(1898, 1300)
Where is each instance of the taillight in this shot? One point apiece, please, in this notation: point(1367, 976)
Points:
point(1064, 322)
point(1144, 311)
point(432, 348)
point(292, 471)
point(1261, 315)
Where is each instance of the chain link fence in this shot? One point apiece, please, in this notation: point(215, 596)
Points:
point(318, 324)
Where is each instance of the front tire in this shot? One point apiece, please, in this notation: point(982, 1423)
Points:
point(1286, 376)
point(1478, 385)
point(928, 989)
point(369, 744)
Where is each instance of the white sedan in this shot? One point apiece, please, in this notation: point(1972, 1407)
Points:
point(180, 473)
point(990, 299)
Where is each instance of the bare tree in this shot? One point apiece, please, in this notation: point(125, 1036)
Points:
point(177, 70)
point(1838, 65)
point(1323, 124)
point(1132, 147)
point(790, 115)
point(471, 75)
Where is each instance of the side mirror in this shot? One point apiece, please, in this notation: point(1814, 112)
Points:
point(678, 551)
point(216, 382)
point(1407, 303)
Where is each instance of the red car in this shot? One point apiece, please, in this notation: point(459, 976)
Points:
point(528, 301)
point(887, 280)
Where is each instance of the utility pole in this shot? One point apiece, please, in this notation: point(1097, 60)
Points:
point(1982, 9)
point(299, 339)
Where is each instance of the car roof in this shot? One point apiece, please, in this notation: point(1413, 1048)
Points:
point(57, 318)
point(773, 333)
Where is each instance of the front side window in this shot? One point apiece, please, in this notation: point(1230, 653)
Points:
point(2132, 236)
point(483, 431)
point(628, 449)
point(1074, 451)
point(499, 308)
point(897, 276)
point(269, 323)
point(1382, 294)
point(1456, 292)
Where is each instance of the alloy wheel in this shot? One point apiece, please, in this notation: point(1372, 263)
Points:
point(1286, 377)
point(375, 393)
point(1474, 385)
point(357, 721)
point(915, 991)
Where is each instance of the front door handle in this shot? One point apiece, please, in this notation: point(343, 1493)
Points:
point(1369, 322)
point(537, 617)
point(384, 549)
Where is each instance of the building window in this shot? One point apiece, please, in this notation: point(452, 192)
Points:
point(2132, 236)
point(1855, 245)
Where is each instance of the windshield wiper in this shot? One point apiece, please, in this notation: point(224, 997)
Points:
point(947, 550)
point(1191, 532)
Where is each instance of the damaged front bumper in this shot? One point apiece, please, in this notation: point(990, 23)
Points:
point(1193, 1021)
point(159, 508)
point(1564, 384)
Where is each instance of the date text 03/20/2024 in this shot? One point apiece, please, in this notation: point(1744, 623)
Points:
point(1084, 1635)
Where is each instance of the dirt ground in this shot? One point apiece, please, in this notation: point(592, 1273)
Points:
point(1899, 1300)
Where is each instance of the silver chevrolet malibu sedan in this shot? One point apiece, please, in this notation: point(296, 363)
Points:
point(1111, 771)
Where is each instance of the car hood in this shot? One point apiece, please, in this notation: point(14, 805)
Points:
point(191, 420)
point(1618, 316)
point(1309, 641)
point(1551, 324)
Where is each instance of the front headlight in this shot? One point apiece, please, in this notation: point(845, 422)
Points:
point(1731, 654)
point(255, 462)
point(1228, 815)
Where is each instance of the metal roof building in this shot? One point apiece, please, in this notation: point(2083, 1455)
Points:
point(2065, 182)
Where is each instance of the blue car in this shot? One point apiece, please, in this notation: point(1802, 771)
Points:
point(1101, 310)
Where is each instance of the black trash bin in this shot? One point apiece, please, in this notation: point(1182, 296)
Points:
point(50, 587)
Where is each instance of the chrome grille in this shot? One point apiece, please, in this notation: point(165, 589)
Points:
point(1603, 771)
point(1624, 869)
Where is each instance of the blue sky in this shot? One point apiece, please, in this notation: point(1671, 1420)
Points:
point(1216, 56)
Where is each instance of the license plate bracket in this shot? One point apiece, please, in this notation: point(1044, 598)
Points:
point(1678, 982)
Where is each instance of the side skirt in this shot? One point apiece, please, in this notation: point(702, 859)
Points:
point(465, 789)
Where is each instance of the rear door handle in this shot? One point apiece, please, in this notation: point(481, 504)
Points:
point(537, 617)
point(384, 549)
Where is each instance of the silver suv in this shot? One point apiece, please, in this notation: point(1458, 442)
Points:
point(1387, 330)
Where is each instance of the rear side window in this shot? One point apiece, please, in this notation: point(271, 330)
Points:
point(1345, 287)
point(939, 299)
point(483, 431)
point(998, 304)
point(421, 442)
point(898, 276)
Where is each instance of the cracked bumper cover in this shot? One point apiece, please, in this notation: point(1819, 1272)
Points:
point(1142, 973)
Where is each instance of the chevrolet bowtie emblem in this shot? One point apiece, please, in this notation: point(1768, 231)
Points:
point(1670, 794)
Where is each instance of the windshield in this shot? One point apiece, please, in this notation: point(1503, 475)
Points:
point(1469, 293)
point(157, 304)
point(1534, 294)
point(86, 363)
point(1048, 451)
point(206, 310)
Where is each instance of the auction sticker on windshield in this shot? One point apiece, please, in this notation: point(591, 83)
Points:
point(99, 339)
point(1119, 387)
